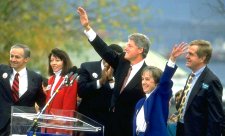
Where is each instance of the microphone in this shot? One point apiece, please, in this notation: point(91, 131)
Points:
point(71, 72)
point(66, 79)
point(69, 79)
point(73, 77)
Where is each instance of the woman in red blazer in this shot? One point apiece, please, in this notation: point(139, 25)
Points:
point(64, 102)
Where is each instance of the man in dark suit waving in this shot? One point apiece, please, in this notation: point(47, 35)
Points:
point(18, 86)
point(200, 111)
point(128, 66)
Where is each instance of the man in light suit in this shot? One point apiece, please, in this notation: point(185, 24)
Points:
point(123, 100)
point(202, 113)
point(95, 86)
point(30, 86)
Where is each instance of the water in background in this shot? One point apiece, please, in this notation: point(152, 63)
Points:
point(216, 67)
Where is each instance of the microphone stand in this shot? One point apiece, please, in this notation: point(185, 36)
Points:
point(34, 126)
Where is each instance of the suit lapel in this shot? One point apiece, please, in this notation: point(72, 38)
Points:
point(8, 72)
point(58, 83)
point(148, 106)
point(123, 75)
point(139, 105)
point(135, 80)
point(97, 69)
point(196, 87)
point(31, 83)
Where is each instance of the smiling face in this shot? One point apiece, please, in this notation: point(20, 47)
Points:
point(17, 59)
point(199, 54)
point(133, 53)
point(148, 83)
point(56, 63)
point(150, 78)
point(193, 61)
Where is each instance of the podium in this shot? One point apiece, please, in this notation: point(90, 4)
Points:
point(26, 122)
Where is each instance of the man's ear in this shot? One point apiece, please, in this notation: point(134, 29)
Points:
point(203, 59)
point(27, 59)
point(141, 50)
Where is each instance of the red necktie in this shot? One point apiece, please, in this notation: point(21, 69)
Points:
point(15, 88)
point(126, 78)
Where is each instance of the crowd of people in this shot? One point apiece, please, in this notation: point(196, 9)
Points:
point(120, 91)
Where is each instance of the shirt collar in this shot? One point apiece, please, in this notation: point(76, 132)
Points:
point(148, 94)
point(58, 73)
point(102, 65)
point(198, 72)
point(21, 72)
point(138, 65)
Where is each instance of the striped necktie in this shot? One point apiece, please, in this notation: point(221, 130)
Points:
point(15, 88)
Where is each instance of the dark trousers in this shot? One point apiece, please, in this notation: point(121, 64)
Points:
point(180, 129)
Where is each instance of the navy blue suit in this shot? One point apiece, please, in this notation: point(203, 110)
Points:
point(124, 103)
point(33, 94)
point(156, 106)
point(203, 115)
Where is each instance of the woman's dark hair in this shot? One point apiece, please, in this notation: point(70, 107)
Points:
point(67, 64)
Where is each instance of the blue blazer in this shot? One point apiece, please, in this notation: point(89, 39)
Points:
point(156, 106)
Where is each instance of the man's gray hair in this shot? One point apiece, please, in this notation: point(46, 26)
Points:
point(142, 41)
point(25, 48)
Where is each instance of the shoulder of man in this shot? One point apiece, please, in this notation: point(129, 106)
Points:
point(89, 64)
point(33, 74)
point(4, 68)
point(209, 74)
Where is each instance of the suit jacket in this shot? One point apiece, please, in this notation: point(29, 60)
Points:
point(64, 103)
point(95, 102)
point(156, 106)
point(204, 112)
point(33, 94)
point(124, 103)
point(223, 126)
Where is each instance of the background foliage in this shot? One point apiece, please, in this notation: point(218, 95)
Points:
point(46, 24)
point(43, 25)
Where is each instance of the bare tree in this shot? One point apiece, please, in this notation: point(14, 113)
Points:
point(217, 6)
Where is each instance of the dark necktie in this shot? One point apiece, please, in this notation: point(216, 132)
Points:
point(15, 88)
point(185, 92)
point(126, 78)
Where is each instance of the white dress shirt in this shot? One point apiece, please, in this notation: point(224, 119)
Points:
point(23, 80)
point(135, 69)
point(57, 77)
point(140, 120)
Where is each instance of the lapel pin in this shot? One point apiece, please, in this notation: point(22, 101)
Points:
point(4, 75)
point(95, 75)
point(205, 86)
